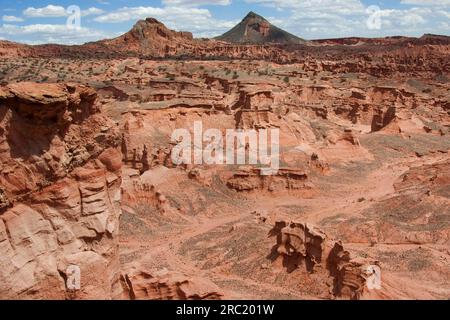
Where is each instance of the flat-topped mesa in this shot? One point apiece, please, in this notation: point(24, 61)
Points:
point(49, 104)
point(255, 29)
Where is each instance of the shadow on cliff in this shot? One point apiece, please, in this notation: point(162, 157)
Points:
point(290, 262)
point(28, 137)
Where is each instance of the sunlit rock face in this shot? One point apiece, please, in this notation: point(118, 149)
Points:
point(60, 186)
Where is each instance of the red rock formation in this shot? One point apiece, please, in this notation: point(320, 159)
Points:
point(286, 179)
point(301, 242)
point(255, 29)
point(167, 285)
point(150, 38)
point(60, 179)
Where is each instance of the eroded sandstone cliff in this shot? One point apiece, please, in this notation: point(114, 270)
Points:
point(60, 190)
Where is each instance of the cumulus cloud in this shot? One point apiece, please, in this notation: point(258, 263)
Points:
point(314, 19)
point(339, 7)
point(49, 11)
point(310, 19)
point(52, 11)
point(196, 3)
point(439, 3)
point(52, 33)
point(445, 14)
point(92, 12)
point(12, 19)
point(171, 13)
point(197, 20)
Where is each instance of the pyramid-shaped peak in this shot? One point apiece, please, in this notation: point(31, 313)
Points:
point(252, 14)
point(255, 29)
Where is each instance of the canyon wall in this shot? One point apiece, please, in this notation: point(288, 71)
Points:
point(59, 193)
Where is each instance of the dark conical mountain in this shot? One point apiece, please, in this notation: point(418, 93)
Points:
point(254, 29)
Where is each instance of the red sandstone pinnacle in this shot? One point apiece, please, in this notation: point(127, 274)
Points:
point(302, 243)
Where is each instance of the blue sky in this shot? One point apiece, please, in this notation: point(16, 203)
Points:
point(46, 21)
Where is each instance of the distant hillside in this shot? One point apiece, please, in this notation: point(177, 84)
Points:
point(254, 29)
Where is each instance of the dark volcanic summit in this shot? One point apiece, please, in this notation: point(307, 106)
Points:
point(254, 29)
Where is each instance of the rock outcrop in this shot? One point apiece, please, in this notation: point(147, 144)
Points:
point(167, 285)
point(151, 37)
point(299, 243)
point(60, 192)
point(248, 179)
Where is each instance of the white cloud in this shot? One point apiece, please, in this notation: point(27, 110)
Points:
point(314, 19)
point(411, 19)
point(310, 19)
point(343, 7)
point(196, 3)
point(134, 13)
point(197, 20)
point(49, 11)
point(92, 12)
point(52, 11)
point(445, 14)
point(438, 3)
point(52, 33)
point(12, 19)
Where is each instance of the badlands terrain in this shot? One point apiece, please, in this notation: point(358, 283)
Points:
point(86, 176)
